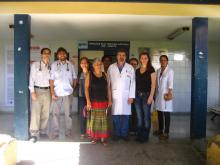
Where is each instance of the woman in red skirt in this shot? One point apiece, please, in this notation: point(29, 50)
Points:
point(98, 98)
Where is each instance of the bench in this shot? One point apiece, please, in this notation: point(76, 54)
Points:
point(215, 111)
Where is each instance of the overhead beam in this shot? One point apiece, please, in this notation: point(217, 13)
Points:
point(164, 9)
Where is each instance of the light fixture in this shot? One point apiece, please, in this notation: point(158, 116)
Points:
point(178, 57)
point(177, 32)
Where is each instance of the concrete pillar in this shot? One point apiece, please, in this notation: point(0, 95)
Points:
point(199, 78)
point(21, 74)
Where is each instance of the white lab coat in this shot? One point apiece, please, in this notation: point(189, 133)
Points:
point(123, 87)
point(164, 83)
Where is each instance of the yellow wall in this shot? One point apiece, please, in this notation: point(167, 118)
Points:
point(110, 8)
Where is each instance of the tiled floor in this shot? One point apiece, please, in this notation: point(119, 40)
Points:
point(177, 151)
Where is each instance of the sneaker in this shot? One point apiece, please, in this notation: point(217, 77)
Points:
point(33, 139)
point(43, 135)
point(69, 135)
point(164, 136)
point(54, 136)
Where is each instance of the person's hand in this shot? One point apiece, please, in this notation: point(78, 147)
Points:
point(88, 105)
point(150, 100)
point(54, 97)
point(85, 70)
point(109, 103)
point(168, 96)
point(130, 100)
point(33, 96)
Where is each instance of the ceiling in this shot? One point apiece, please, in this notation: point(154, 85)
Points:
point(106, 27)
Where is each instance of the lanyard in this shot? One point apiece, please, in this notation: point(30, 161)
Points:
point(40, 68)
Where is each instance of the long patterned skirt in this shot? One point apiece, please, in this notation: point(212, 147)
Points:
point(97, 121)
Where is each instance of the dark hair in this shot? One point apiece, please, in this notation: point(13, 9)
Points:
point(133, 59)
point(80, 69)
point(43, 49)
point(84, 58)
point(164, 56)
point(121, 50)
point(105, 56)
point(61, 49)
point(149, 64)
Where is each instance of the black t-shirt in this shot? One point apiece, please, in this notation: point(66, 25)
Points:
point(143, 80)
point(98, 88)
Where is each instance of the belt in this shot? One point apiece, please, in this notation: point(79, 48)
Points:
point(41, 87)
point(143, 93)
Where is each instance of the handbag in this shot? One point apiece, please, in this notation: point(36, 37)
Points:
point(168, 96)
point(154, 121)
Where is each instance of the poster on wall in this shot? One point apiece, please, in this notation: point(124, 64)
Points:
point(35, 52)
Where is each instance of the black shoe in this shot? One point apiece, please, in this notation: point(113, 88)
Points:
point(43, 135)
point(115, 138)
point(164, 136)
point(33, 139)
point(155, 133)
point(132, 133)
point(139, 140)
point(126, 138)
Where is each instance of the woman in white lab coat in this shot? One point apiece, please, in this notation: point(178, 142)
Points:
point(122, 83)
point(164, 96)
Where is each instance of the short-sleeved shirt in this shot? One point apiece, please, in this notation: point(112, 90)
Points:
point(143, 80)
point(63, 75)
point(39, 75)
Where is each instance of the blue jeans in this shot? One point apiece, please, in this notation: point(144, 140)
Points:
point(120, 125)
point(82, 103)
point(143, 117)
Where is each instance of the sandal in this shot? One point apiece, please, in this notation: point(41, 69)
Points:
point(82, 136)
point(94, 141)
point(104, 142)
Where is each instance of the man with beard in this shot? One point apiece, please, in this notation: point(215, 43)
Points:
point(122, 84)
point(62, 81)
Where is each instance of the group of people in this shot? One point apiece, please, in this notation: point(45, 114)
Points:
point(120, 86)
point(110, 94)
point(51, 88)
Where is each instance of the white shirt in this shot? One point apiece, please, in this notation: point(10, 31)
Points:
point(63, 75)
point(39, 75)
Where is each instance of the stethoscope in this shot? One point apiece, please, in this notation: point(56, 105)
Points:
point(40, 69)
point(67, 66)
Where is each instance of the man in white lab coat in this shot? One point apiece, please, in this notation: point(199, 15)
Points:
point(121, 76)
